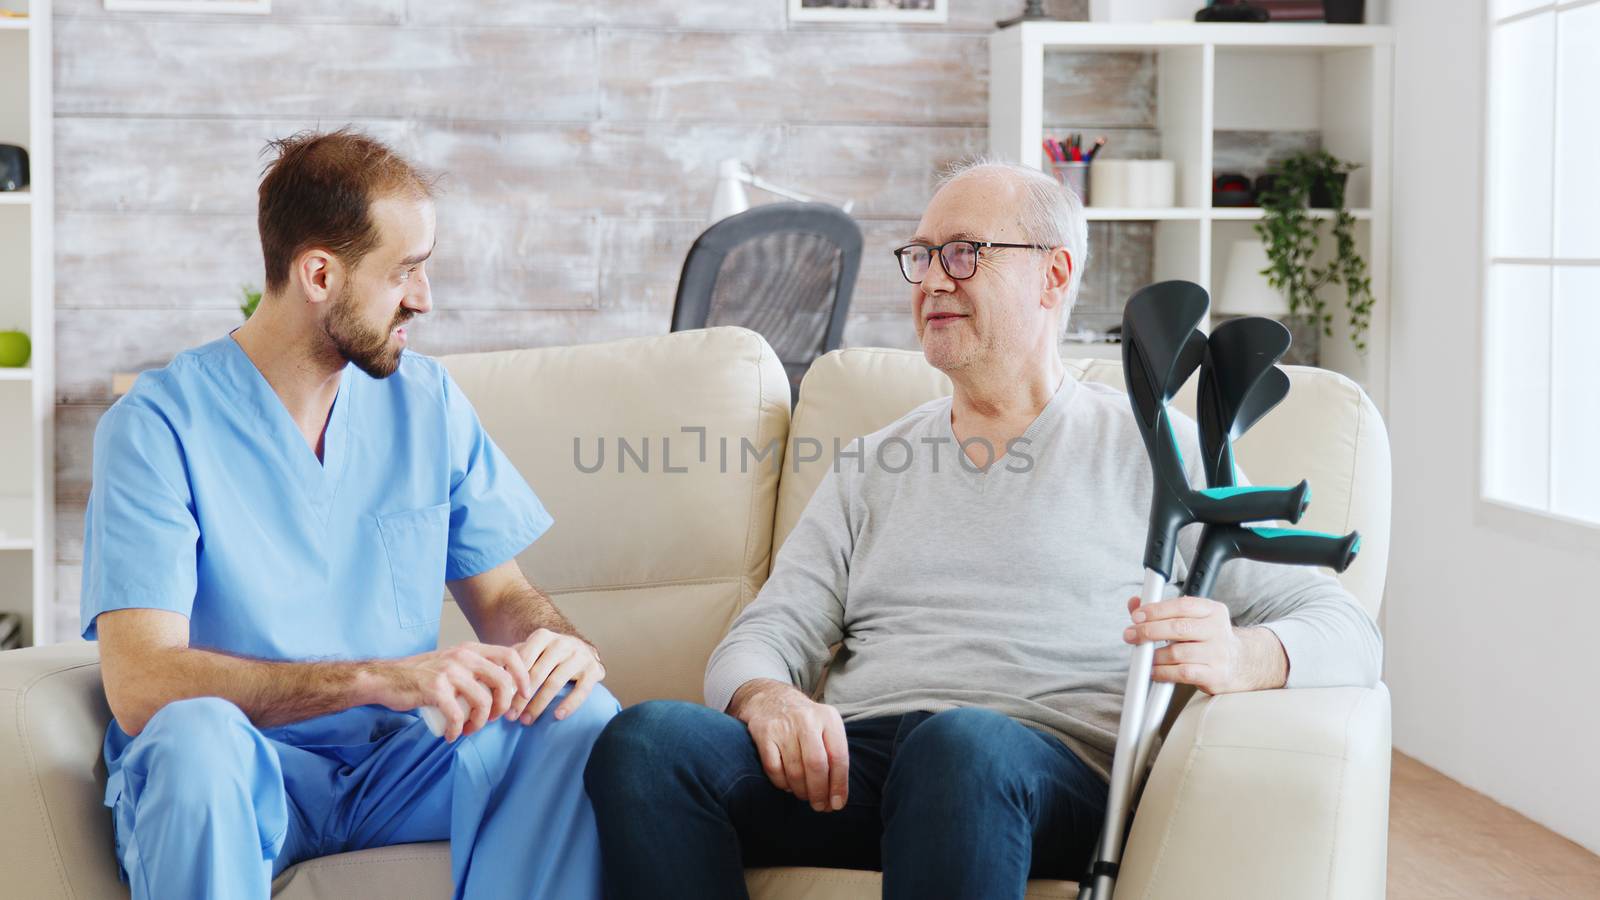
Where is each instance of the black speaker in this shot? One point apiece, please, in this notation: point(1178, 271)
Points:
point(13, 168)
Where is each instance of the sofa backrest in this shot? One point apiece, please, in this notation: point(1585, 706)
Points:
point(650, 563)
point(1327, 431)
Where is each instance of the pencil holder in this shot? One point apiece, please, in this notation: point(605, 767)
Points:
point(1074, 175)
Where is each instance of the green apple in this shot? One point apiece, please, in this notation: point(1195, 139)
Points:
point(15, 348)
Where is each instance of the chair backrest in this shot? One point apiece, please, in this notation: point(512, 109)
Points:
point(657, 547)
point(1327, 431)
point(783, 270)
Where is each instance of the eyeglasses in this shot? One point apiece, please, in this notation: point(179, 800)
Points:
point(959, 258)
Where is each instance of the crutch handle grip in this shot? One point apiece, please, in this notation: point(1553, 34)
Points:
point(1295, 547)
point(1238, 505)
point(1218, 544)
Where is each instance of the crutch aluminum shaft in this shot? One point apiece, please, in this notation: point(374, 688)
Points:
point(1120, 796)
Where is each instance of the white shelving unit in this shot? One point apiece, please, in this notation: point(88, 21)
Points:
point(1335, 80)
point(27, 291)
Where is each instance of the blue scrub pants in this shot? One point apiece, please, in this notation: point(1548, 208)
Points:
point(206, 805)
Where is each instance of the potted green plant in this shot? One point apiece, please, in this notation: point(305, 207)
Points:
point(1290, 232)
point(252, 299)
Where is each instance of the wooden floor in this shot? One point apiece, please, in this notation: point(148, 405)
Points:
point(1446, 840)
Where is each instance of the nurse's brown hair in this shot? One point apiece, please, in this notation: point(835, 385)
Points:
point(318, 192)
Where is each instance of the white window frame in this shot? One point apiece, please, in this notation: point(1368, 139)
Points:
point(1549, 528)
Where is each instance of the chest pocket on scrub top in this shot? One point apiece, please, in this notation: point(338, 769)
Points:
point(416, 541)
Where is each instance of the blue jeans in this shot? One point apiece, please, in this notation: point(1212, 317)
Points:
point(962, 803)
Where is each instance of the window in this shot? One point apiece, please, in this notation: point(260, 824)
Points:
point(1542, 234)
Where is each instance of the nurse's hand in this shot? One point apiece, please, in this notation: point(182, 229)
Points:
point(469, 684)
point(554, 660)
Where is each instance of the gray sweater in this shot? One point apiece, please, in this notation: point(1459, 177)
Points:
point(947, 586)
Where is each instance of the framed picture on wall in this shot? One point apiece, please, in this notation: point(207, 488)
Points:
point(905, 11)
point(243, 7)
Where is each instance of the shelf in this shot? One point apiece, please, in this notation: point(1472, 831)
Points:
point(1211, 99)
point(27, 301)
point(1090, 350)
point(1119, 214)
point(1195, 213)
point(1253, 213)
point(16, 522)
point(1280, 36)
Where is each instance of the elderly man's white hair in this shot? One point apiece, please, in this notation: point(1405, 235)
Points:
point(1051, 215)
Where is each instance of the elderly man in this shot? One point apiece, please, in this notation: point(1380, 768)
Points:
point(966, 726)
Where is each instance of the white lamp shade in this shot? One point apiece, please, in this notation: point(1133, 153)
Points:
point(730, 197)
point(1244, 290)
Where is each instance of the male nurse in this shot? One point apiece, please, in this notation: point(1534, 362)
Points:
point(274, 519)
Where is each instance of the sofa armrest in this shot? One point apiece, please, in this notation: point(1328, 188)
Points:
point(53, 717)
point(1267, 794)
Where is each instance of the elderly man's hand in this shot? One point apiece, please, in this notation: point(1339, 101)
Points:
point(801, 742)
point(1206, 650)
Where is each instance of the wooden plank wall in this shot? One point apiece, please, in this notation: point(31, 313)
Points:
point(579, 140)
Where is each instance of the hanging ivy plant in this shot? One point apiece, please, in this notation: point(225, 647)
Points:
point(1291, 235)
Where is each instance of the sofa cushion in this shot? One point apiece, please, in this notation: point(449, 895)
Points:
point(798, 883)
point(651, 563)
point(397, 872)
point(1327, 431)
point(423, 870)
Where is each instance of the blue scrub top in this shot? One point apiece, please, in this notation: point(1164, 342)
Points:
point(207, 501)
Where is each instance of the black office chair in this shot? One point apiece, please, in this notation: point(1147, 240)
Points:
point(784, 270)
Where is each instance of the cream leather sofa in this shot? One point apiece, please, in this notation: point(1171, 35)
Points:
point(1276, 794)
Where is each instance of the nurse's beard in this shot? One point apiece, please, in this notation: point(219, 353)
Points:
point(369, 349)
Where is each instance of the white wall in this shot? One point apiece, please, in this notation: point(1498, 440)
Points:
point(1491, 620)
